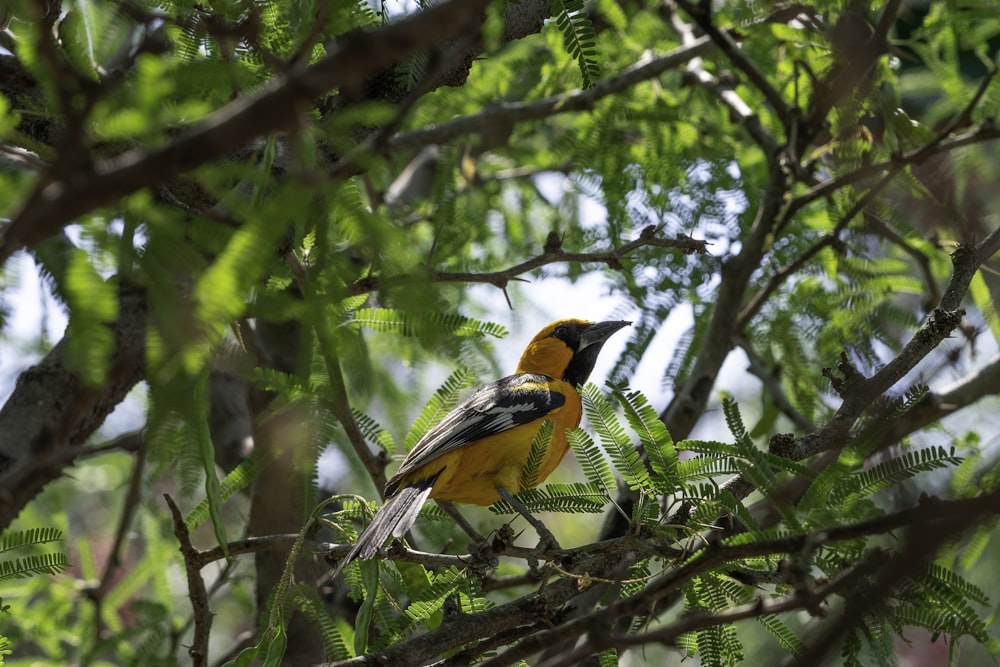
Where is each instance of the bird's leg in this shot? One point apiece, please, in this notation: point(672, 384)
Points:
point(548, 540)
point(453, 512)
point(479, 549)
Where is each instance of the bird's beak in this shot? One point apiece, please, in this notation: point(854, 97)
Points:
point(598, 332)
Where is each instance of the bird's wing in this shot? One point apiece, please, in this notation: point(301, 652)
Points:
point(497, 407)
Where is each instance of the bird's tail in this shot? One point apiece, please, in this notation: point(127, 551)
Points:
point(395, 518)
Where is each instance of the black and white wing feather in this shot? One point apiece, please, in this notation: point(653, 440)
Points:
point(493, 409)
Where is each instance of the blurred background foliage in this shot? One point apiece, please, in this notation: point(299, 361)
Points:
point(305, 296)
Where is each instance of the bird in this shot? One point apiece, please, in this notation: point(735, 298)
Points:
point(475, 454)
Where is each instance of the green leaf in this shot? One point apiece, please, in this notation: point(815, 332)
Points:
point(221, 293)
point(362, 622)
point(411, 324)
point(784, 634)
point(616, 442)
point(433, 597)
point(655, 439)
point(30, 566)
point(592, 459)
point(536, 455)
point(309, 603)
point(93, 306)
point(579, 37)
point(892, 472)
point(443, 400)
point(213, 490)
point(19, 539)
point(238, 479)
point(984, 301)
point(608, 658)
point(244, 658)
point(571, 498)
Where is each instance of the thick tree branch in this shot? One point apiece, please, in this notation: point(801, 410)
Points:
point(53, 411)
point(597, 561)
point(799, 600)
point(860, 392)
point(56, 201)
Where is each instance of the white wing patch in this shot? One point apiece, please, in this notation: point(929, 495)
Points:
point(497, 407)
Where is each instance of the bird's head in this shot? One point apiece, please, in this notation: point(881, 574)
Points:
point(567, 349)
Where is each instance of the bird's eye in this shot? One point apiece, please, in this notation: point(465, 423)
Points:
point(561, 332)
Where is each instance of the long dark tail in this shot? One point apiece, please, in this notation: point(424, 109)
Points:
point(395, 518)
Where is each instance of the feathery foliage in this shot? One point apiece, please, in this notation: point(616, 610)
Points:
point(31, 564)
point(573, 498)
point(536, 455)
point(443, 400)
point(579, 37)
point(209, 197)
point(409, 324)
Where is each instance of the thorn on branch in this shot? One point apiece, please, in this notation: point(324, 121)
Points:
point(926, 501)
point(942, 322)
point(964, 254)
point(553, 243)
point(850, 377)
point(506, 296)
point(782, 444)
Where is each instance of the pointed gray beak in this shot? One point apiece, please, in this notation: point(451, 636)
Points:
point(598, 332)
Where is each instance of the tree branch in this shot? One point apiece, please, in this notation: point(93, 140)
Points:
point(772, 384)
point(507, 113)
point(553, 254)
point(922, 544)
point(738, 109)
point(860, 393)
point(57, 201)
point(933, 406)
point(604, 560)
point(800, 600)
point(702, 15)
point(52, 411)
point(196, 589)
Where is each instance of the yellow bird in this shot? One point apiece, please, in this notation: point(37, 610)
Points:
point(476, 453)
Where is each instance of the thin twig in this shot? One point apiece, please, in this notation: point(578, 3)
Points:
point(738, 108)
point(613, 258)
point(943, 142)
point(196, 588)
point(340, 406)
point(835, 434)
point(507, 113)
point(132, 499)
point(882, 228)
point(921, 547)
point(602, 559)
point(831, 238)
point(701, 14)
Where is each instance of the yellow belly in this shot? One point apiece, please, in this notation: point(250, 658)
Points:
point(471, 474)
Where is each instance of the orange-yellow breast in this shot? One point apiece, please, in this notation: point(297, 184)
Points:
point(471, 473)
